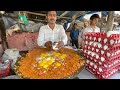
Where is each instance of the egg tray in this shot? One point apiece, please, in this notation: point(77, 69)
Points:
point(67, 77)
point(99, 76)
point(104, 69)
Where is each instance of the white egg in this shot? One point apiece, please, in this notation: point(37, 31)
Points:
point(91, 63)
point(97, 56)
point(105, 47)
point(111, 42)
point(107, 76)
point(95, 60)
point(100, 69)
point(92, 49)
point(103, 76)
point(94, 38)
point(93, 54)
point(105, 40)
point(91, 58)
point(102, 59)
point(86, 37)
point(97, 50)
point(110, 65)
point(90, 38)
point(88, 47)
point(99, 39)
point(113, 71)
point(99, 45)
point(94, 44)
point(87, 61)
point(112, 54)
point(105, 65)
point(95, 66)
point(90, 43)
point(108, 54)
point(116, 42)
point(102, 52)
point(88, 52)
point(100, 63)
point(98, 73)
point(86, 42)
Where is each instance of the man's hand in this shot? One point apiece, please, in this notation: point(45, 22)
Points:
point(48, 44)
point(60, 44)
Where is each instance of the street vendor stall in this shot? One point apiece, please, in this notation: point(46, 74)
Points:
point(24, 59)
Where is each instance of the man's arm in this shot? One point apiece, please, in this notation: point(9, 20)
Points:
point(63, 36)
point(40, 39)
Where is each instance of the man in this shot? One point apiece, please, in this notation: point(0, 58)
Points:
point(92, 27)
point(74, 33)
point(52, 32)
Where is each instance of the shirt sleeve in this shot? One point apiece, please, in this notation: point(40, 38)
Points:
point(40, 39)
point(64, 37)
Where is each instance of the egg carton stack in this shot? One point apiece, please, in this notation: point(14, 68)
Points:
point(102, 53)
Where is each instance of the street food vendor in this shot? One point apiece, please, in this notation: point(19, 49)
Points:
point(50, 33)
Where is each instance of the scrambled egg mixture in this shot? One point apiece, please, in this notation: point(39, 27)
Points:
point(47, 59)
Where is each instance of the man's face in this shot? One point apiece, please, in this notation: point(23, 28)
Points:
point(52, 17)
point(94, 21)
point(86, 24)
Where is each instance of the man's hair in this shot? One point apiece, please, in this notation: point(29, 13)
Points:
point(94, 16)
point(48, 12)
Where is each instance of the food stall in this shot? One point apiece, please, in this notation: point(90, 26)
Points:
point(40, 63)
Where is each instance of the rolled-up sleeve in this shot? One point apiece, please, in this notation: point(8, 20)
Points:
point(40, 40)
point(64, 37)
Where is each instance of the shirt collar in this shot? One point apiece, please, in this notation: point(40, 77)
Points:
point(50, 28)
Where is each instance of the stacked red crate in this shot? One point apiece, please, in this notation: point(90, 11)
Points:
point(102, 53)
